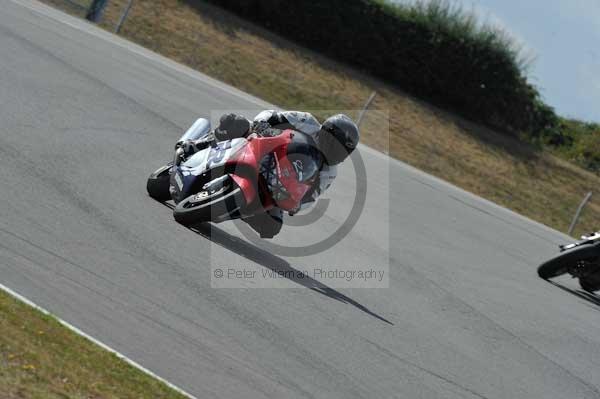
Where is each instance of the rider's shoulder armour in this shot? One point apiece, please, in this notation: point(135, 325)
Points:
point(303, 122)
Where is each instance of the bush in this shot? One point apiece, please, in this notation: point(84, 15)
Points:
point(431, 49)
point(577, 141)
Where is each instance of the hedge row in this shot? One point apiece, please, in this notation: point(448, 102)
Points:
point(577, 141)
point(433, 50)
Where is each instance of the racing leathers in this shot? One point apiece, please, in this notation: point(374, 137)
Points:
point(305, 123)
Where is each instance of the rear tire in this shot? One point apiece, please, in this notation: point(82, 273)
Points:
point(210, 207)
point(561, 263)
point(158, 184)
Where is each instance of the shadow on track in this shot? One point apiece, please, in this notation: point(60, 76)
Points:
point(272, 262)
point(275, 263)
point(587, 296)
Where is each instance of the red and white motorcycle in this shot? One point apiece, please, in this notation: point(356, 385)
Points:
point(239, 177)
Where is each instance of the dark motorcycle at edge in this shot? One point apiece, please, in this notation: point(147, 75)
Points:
point(580, 259)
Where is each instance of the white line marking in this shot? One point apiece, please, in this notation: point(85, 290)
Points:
point(95, 341)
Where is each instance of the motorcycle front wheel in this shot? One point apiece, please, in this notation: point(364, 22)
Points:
point(561, 263)
point(210, 206)
point(158, 184)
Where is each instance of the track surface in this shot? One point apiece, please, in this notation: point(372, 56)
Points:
point(85, 116)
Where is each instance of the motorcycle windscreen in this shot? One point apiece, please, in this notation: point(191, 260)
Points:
point(199, 129)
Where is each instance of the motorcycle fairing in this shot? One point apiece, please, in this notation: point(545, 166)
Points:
point(240, 158)
point(185, 175)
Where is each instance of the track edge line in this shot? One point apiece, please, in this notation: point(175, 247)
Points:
point(93, 340)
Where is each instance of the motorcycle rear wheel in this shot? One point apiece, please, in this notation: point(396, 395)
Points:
point(210, 206)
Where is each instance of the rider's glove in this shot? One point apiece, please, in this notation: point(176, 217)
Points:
point(189, 148)
point(260, 128)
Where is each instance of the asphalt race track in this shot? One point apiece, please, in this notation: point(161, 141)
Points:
point(86, 116)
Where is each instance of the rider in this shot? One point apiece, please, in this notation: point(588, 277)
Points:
point(336, 138)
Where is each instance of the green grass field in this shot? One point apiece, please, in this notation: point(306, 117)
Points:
point(41, 359)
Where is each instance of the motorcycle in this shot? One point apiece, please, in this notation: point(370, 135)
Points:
point(236, 178)
point(580, 259)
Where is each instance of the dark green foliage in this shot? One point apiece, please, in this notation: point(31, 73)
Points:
point(432, 49)
point(577, 141)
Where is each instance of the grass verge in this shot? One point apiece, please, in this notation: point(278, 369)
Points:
point(40, 358)
point(502, 169)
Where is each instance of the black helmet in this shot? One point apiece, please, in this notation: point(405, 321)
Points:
point(338, 138)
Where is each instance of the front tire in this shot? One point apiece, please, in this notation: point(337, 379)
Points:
point(561, 263)
point(158, 184)
point(210, 206)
